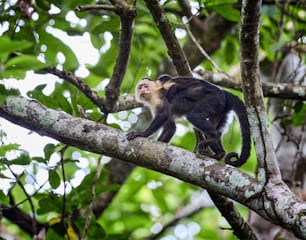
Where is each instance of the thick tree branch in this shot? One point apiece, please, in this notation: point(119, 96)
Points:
point(241, 229)
point(101, 139)
point(112, 90)
point(281, 206)
point(127, 13)
point(249, 39)
point(23, 220)
point(174, 50)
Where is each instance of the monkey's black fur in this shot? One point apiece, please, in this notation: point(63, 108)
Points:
point(204, 105)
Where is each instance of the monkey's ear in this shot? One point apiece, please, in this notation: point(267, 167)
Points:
point(164, 77)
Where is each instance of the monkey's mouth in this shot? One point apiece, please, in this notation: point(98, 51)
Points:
point(145, 95)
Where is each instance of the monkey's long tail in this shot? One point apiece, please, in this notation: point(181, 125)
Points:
point(240, 110)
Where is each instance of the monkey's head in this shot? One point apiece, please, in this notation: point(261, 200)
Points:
point(144, 90)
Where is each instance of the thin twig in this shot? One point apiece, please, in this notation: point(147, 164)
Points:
point(83, 8)
point(34, 222)
point(62, 151)
point(77, 82)
point(202, 50)
point(93, 196)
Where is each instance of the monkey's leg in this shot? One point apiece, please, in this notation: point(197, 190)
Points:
point(212, 136)
point(200, 147)
point(211, 149)
point(205, 126)
point(199, 138)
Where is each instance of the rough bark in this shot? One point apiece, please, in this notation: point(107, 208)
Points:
point(273, 201)
point(252, 89)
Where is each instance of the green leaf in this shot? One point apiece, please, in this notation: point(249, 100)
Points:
point(54, 179)
point(49, 150)
point(210, 3)
point(56, 231)
point(228, 12)
point(7, 46)
point(299, 117)
point(4, 93)
point(25, 62)
point(230, 51)
point(298, 106)
point(43, 4)
point(39, 159)
point(108, 25)
point(49, 204)
point(106, 60)
point(54, 46)
point(55, 100)
point(159, 195)
point(17, 67)
point(96, 231)
point(73, 4)
point(4, 199)
point(9, 147)
point(23, 159)
point(61, 101)
point(38, 94)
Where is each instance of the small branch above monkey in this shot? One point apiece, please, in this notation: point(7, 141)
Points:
point(275, 90)
point(125, 102)
point(174, 49)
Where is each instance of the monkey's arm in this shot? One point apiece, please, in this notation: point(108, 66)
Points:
point(162, 114)
point(168, 130)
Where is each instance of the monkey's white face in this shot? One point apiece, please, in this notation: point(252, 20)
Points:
point(144, 90)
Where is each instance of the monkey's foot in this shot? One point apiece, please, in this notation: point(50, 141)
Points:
point(217, 156)
point(202, 148)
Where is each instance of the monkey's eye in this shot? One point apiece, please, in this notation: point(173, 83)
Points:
point(143, 86)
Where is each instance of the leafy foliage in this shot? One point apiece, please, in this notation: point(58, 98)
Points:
point(58, 185)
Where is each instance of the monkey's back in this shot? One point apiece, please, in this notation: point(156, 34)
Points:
point(188, 94)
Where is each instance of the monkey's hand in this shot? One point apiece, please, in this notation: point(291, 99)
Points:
point(131, 135)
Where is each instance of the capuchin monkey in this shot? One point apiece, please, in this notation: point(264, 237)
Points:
point(205, 106)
